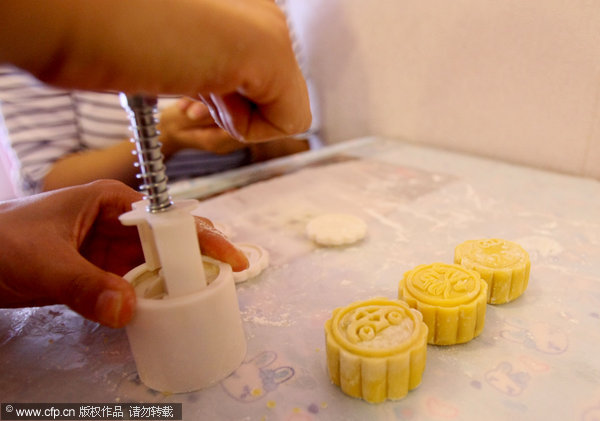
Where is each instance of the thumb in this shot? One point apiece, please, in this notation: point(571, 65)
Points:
point(98, 295)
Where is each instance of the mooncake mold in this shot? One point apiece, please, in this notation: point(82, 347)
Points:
point(504, 265)
point(376, 349)
point(336, 229)
point(451, 298)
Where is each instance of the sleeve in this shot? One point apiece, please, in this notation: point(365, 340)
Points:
point(40, 124)
point(314, 136)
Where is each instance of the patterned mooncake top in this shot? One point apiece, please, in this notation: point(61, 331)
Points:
point(442, 284)
point(376, 327)
point(493, 253)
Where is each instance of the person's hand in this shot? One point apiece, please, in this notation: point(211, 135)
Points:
point(235, 54)
point(188, 124)
point(68, 247)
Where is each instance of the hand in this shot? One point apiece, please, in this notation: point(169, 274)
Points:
point(188, 124)
point(68, 247)
point(235, 54)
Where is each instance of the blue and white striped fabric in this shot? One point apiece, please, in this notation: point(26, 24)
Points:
point(44, 124)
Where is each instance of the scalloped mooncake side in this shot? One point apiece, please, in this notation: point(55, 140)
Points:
point(503, 264)
point(451, 298)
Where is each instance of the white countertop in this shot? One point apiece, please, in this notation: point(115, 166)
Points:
point(537, 357)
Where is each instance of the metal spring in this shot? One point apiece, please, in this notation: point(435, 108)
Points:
point(141, 110)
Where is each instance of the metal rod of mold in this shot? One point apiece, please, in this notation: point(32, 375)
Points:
point(142, 110)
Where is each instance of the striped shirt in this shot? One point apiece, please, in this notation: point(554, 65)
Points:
point(44, 124)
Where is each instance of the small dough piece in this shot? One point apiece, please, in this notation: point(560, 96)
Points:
point(376, 349)
point(504, 265)
point(258, 258)
point(451, 298)
point(151, 284)
point(336, 229)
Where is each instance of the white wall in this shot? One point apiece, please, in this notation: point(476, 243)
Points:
point(513, 80)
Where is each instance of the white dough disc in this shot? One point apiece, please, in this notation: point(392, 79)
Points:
point(258, 258)
point(336, 229)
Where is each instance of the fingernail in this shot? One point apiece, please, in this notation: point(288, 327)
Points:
point(108, 308)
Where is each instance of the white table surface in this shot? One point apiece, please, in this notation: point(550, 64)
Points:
point(538, 357)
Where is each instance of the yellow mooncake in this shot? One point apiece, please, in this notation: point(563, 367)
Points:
point(376, 349)
point(451, 298)
point(504, 265)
